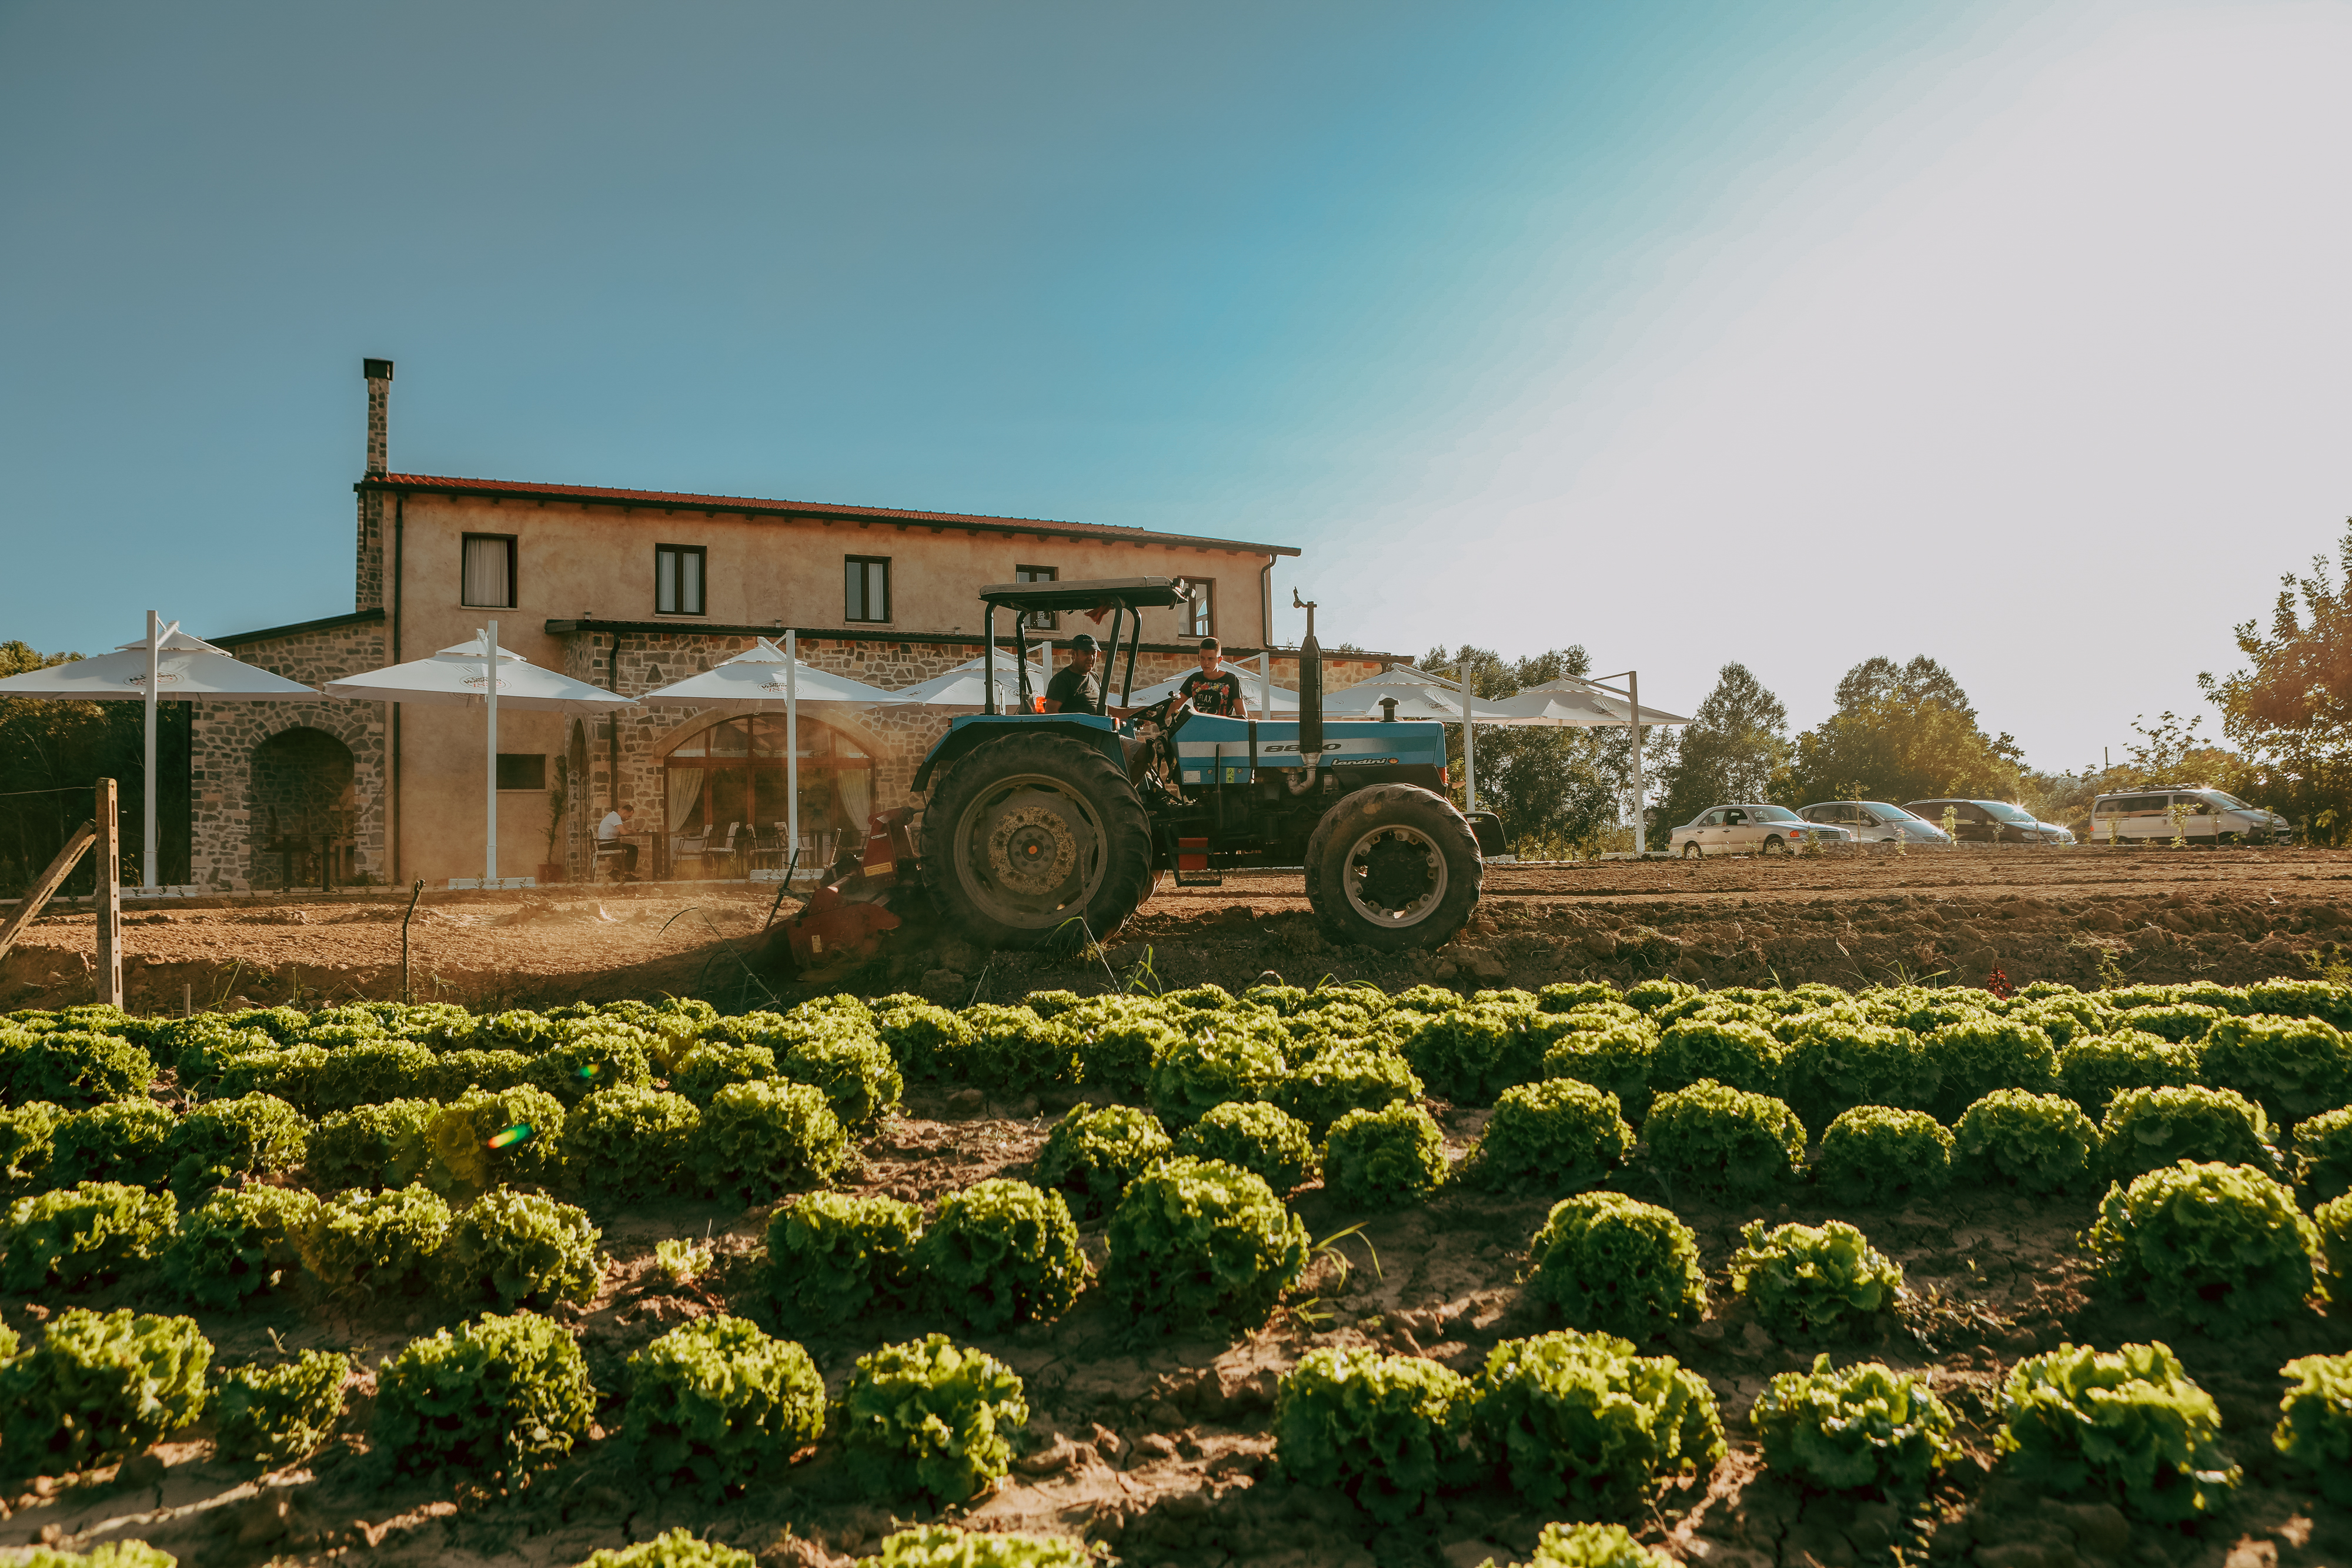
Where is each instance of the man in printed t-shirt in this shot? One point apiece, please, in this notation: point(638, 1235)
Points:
point(1213, 688)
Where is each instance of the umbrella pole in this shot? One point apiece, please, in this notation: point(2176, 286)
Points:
point(491, 779)
point(791, 750)
point(1634, 691)
point(147, 877)
point(1265, 685)
point(1469, 746)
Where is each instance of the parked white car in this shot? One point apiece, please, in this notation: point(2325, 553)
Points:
point(2210, 816)
point(1875, 822)
point(1750, 829)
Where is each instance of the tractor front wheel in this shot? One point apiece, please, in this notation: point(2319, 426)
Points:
point(1394, 867)
point(1036, 841)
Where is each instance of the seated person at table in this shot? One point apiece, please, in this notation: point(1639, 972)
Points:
point(608, 834)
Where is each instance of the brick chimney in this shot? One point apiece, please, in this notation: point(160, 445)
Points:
point(371, 576)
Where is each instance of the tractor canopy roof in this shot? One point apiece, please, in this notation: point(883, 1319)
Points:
point(1102, 593)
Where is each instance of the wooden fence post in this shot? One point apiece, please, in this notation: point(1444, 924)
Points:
point(109, 867)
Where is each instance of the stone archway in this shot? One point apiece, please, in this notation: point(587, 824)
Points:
point(302, 805)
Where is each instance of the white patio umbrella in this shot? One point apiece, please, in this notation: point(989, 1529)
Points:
point(1575, 700)
point(167, 665)
point(766, 677)
point(964, 688)
point(461, 675)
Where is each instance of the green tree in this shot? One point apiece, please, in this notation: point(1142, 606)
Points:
point(1736, 748)
point(52, 753)
point(1555, 789)
point(1901, 733)
point(2289, 712)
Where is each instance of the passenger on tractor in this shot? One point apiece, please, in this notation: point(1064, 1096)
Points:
point(1213, 688)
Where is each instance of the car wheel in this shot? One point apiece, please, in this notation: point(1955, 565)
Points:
point(1690, 849)
point(1776, 845)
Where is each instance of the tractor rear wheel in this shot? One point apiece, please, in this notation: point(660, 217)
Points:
point(1394, 867)
point(1028, 836)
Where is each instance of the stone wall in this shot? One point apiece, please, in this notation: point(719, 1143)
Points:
point(226, 736)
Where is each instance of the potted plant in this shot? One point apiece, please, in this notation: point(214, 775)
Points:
point(558, 798)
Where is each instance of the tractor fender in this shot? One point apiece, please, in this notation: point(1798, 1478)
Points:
point(979, 729)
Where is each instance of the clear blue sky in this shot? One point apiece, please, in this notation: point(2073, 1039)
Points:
point(2014, 335)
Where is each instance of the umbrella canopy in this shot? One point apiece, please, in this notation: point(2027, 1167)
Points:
point(965, 688)
point(1414, 700)
point(753, 680)
point(1576, 701)
point(1285, 699)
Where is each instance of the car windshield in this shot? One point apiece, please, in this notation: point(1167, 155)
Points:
point(2222, 797)
point(1772, 814)
point(2006, 813)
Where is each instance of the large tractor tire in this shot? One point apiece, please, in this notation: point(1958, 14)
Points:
point(1394, 867)
point(1029, 835)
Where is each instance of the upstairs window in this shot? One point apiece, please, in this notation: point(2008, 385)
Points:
point(865, 587)
point(677, 580)
point(488, 575)
point(1201, 615)
point(1039, 620)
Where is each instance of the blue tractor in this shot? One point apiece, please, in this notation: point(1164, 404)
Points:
point(1045, 830)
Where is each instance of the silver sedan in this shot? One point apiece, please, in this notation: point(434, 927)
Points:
point(1750, 829)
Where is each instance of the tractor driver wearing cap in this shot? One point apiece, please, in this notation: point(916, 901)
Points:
point(1073, 688)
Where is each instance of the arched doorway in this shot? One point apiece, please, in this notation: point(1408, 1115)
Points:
point(730, 774)
point(301, 810)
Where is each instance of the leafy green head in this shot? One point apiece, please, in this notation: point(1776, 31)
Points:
point(1579, 1422)
point(1265, 1140)
point(1001, 1252)
point(930, 1416)
point(1385, 1429)
point(1384, 1158)
point(1609, 1262)
point(1861, 1426)
point(1826, 1282)
point(1094, 1152)
point(2220, 1245)
point(832, 1259)
point(1554, 1137)
point(1712, 1136)
point(2128, 1424)
point(2034, 1142)
point(1196, 1241)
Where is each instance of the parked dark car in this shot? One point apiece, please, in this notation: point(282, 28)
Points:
point(1991, 822)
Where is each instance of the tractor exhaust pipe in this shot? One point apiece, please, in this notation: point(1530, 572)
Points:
point(1310, 701)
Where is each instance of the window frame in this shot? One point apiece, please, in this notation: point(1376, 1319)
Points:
point(702, 582)
point(1201, 613)
point(514, 572)
point(866, 596)
point(1039, 620)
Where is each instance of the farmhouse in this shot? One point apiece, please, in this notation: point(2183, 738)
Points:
point(631, 590)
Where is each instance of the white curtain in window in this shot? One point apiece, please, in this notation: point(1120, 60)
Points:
point(485, 574)
point(684, 791)
point(855, 786)
point(689, 587)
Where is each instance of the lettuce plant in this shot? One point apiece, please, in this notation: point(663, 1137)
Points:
point(1837, 1064)
point(1383, 1159)
point(290, 1073)
point(1728, 1050)
point(710, 1067)
point(122, 1141)
point(106, 1554)
point(1874, 1154)
point(1975, 1056)
point(928, 1042)
point(2148, 1128)
point(1469, 1055)
point(2220, 1245)
point(378, 1241)
point(2332, 1226)
point(371, 1074)
point(1555, 1135)
point(498, 1395)
point(237, 1242)
point(494, 1137)
point(273, 1416)
point(2323, 1155)
point(1826, 1282)
point(1265, 1140)
point(227, 1140)
point(1619, 1060)
point(518, 1248)
point(1094, 1152)
point(457, 1071)
point(97, 1387)
point(2182, 1023)
point(833, 1259)
point(2315, 1429)
point(1862, 1426)
point(370, 1147)
point(2128, 1425)
point(76, 1069)
point(629, 1142)
point(1214, 1065)
point(759, 1140)
point(1385, 1429)
point(860, 1079)
point(1014, 1051)
point(1603, 1260)
point(78, 1234)
point(2034, 1142)
point(1563, 1545)
point(677, 1548)
point(593, 1064)
point(1341, 1080)
point(1198, 1242)
point(716, 1404)
point(1712, 1136)
point(940, 1546)
point(930, 1416)
point(25, 1134)
point(1567, 996)
point(1001, 1252)
point(1117, 1042)
point(1579, 1423)
point(2294, 1067)
point(2093, 1068)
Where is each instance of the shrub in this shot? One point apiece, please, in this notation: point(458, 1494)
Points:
point(2128, 1424)
point(1826, 1282)
point(759, 1141)
point(96, 1386)
point(2036, 1143)
point(1385, 1429)
point(1580, 1420)
point(76, 1068)
point(1608, 1262)
point(593, 1064)
point(1196, 1241)
point(2148, 1128)
point(1093, 1152)
point(1874, 1154)
point(290, 1073)
point(1553, 1136)
point(380, 1242)
point(1471, 1054)
point(929, 1041)
point(2323, 1155)
point(1976, 1056)
point(1716, 1136)
point(2333, 1261)
point(832, 1260)
point(1864, 1426)
point(276, 1414)
point(1265, 1140)
point(629, 1142)
point(1001, 1252)
point(2315, 1429)
point(860, 1081)
point(715, 1402)
point(1618, 1059)
point(1742, 1055)
point(81, 1233)
point(929, 1416)
point(124, 1140)
point(677, 1548)
point(2091, 1070)
point(703, 1072)
point(237, 1242)
point(1013, 1050)
point(370, 1074)
point(1833, 1067)
point(1381, 1159)
point(1343, 1080)
point(518, 1248)
point(457, 1071)
point(370, 1147)
point(1215, 1066)
point(938, 1546)
point(2295, 1068)
point(2216, 1245)
point(498, 1395)
point(494, 1137)
point(25, 1140)
point(227, 1140)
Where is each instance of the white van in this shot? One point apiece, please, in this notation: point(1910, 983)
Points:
point(2212, 816)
